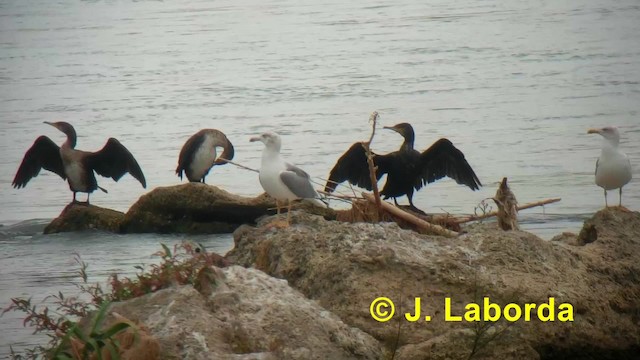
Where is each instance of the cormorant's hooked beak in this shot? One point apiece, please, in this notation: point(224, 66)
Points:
point(594, 131)
point(52, 124)
point(394, 129)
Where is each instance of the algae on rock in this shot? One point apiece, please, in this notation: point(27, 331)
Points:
point(80, 216)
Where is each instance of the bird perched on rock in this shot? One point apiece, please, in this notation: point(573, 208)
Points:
point(613, 168)
point(77, 166)
point(198, 155)
point(282, 180)
point(407, 169)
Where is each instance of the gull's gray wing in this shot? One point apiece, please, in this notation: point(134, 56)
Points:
point(298, 181)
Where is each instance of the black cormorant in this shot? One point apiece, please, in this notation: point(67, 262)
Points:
point(77, 166)
point(407, 169)
point(198, 155)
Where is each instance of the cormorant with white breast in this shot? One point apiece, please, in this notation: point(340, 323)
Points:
point(613, 168)
point(198, 155)
point(77, 166)
point(407, 169)
point(281, 180)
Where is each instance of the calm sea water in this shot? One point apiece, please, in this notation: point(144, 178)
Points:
point(514, 84)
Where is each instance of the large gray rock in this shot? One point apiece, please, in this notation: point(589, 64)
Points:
point(346, 266)
point(245, 314)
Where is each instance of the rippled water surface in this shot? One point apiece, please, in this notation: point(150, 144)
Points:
point(514, 84)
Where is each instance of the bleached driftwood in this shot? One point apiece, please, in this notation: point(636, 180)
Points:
point(467, 219)
point(372, 168)
point(423, 225)
point(507, 207)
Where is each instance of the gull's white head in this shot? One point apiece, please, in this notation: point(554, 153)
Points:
point(270, 140)
point(610, 133)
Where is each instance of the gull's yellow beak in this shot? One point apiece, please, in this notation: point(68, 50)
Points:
point(593, 131)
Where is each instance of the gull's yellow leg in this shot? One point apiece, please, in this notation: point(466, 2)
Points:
point(289, 214)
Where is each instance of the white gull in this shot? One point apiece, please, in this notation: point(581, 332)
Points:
point(613, 168)
point(282, 180)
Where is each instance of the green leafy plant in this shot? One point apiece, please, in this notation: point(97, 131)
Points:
point(76, 344)
point(68, 340)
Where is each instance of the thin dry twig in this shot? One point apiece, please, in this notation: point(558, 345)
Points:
point(495, 213)
point(238, 165)
point(372, 168)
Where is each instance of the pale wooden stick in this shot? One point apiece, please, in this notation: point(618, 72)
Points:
point(338, 196)
point(424, 225)
point(238, 165)
point(372, 169)
point(494, 213)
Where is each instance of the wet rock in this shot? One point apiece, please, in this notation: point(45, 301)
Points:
point(193, 208)
point(246, 315)
point(346, 266)
point(79, 217)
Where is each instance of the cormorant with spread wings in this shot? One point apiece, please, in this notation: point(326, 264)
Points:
point(407, 169)
point(77, 166)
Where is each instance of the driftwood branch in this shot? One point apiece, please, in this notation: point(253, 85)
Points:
point(238, 165)
point(507, 204)
point(338, 196)
point(372, 169)
point(423, 225)
point(495, 213)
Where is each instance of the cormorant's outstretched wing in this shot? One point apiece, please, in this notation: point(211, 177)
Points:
point(44, 153)
point(443, 159)
point(114, 160)
point(352, 166)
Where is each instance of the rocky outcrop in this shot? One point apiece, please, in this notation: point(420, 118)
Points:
point(81, 216)
point(247, 315)
point(346, 266)
point(307, 292)
point(192, 208)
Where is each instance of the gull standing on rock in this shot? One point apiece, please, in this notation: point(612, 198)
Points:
point(613, 168)
point(281, 180)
